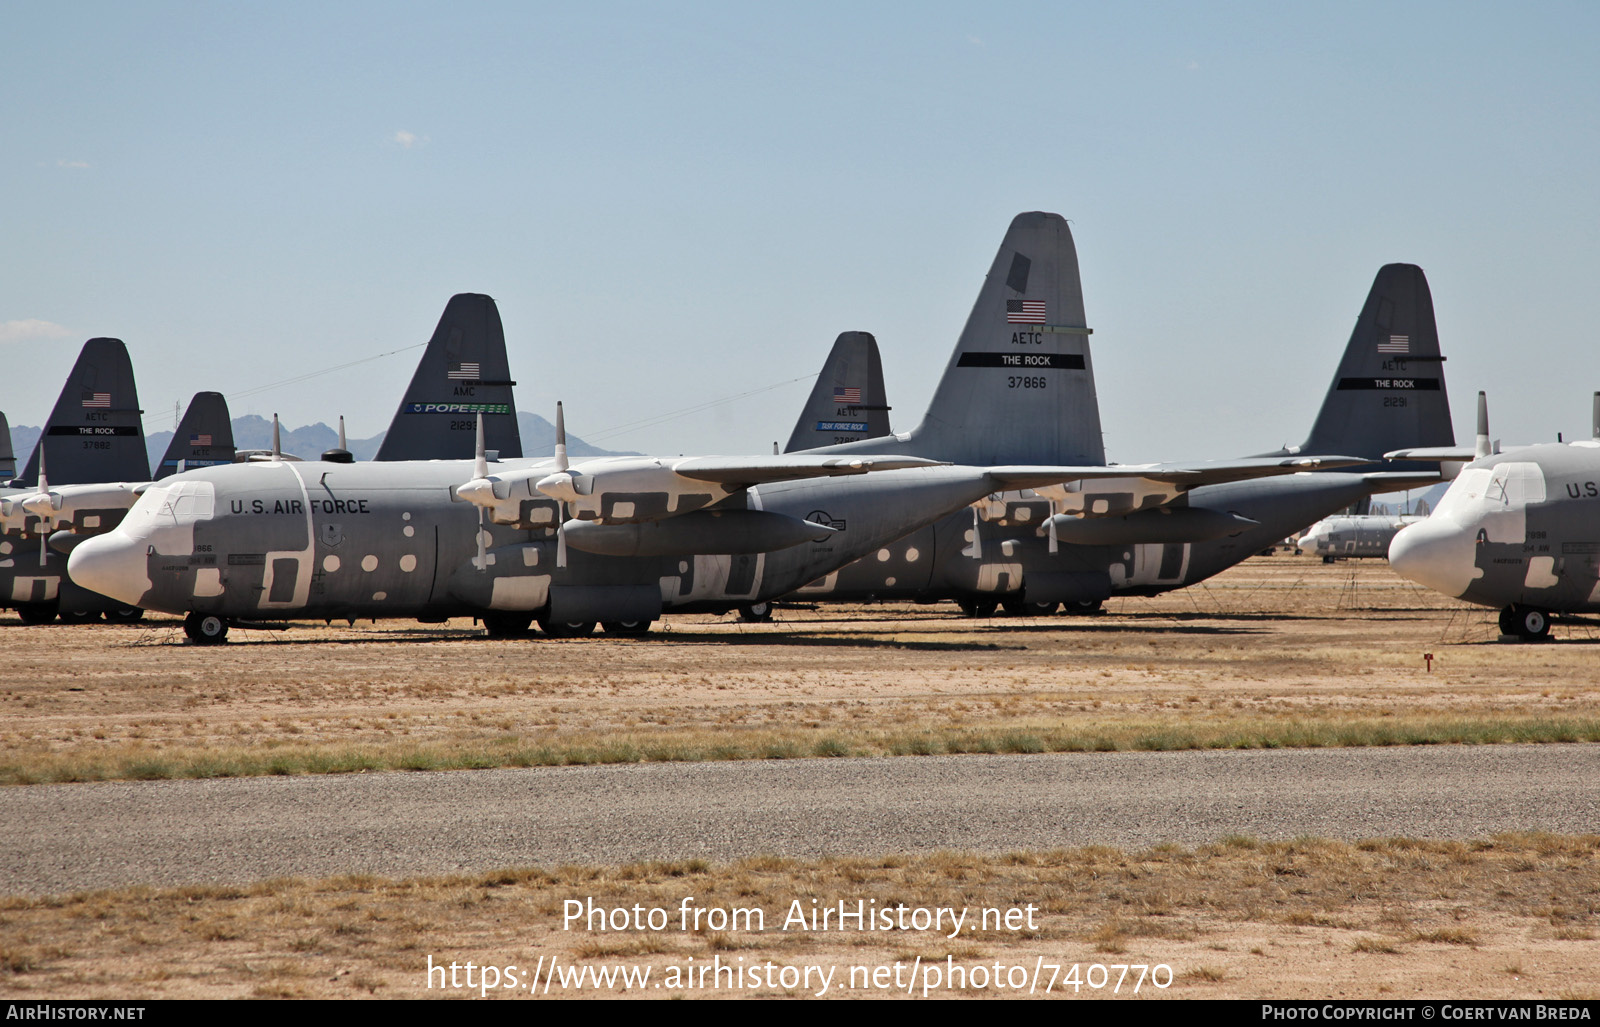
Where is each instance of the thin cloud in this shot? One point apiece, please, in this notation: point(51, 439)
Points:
point(30, 328)
point(408, 140)
point(62, 162)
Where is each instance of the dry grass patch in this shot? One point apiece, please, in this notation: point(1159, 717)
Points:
point(1275, 652)
point(1307, 931)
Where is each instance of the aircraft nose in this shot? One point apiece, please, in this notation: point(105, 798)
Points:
point(1438, 553)
point(113, 565)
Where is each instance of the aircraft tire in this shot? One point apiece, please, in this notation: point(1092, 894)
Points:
point(626, 627)
point(1533, 624)
point(37, 613)
point(977, 607)
point(756, 613)
point(78, 616)
point(206, 628)
point(125, 615)
point(506, 625)
point(1085, 608)
point(1508, 621)
point(1023, 608)
point(566, 629)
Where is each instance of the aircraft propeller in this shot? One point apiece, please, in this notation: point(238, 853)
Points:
point(480, 492)
point(43, 504)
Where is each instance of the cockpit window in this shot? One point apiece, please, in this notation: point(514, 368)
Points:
point(1466, 491)
point(162, 506)
point(150, 512)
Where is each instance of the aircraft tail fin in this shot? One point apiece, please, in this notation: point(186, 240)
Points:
point(1019, 388)
point(98, 405)
point(204, 437)
point(8, 458)
point(464, 373)
point(848, 401)
point(1389, 391)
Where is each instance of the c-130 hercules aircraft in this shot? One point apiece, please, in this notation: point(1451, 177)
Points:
point(1518, 529)
point(1081, 545)
point(82, 477)
point(620, 540)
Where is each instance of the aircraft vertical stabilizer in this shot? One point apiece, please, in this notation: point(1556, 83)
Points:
point(94, 434)
point(8, 459)
point(464, 373)
point(1019, 388)
point(204, 437)
point(848, 401)
point(1389, 391)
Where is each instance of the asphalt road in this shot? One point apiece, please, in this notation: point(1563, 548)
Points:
point(62, 838)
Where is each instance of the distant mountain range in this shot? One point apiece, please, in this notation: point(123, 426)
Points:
point(311, 441)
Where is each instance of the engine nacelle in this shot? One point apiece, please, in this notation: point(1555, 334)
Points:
point(630, 492)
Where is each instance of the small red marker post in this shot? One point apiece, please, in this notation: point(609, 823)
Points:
point(1429, 658)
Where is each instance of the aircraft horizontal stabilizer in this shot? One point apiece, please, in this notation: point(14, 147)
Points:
point(1433, 454)
point(1396, 481)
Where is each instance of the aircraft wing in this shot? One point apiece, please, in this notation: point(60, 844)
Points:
point(1183, 475)
point(743, 471)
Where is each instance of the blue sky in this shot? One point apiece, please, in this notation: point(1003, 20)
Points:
point(679, 203)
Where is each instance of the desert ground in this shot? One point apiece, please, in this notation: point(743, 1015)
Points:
point(1280, 651)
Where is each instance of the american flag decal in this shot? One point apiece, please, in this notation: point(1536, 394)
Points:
point(1025, 312)
point(97, 399)
point(847, 395)
point(199, 440)
point(1396, 344)
point(464, 372)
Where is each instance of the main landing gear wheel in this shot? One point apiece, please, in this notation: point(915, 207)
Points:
point(506, 625)
point(1023, 608)
point(756, 613)
point(626, 627)
point(37, 613)
point(566, 629)
point(125, 615)
point(1086, 608)
point(977, 608)
point(79, 616)
point(1526, 622)
point(205, 628)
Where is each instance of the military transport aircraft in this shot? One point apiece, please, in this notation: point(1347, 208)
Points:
point(94, 434)
point(96, 459)
point(1084, 543)
point(58, 516)
point(1354, 536)
point(620, 540)
point(1518, 529)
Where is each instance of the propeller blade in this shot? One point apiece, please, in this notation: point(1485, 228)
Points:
point(977, 536)
point(277, 447)
point(481, 561)
point(561, 535)
point(1053, 544)
point(561, 439)
point(480, 459)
